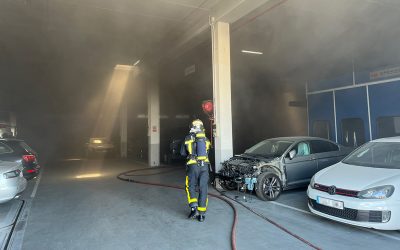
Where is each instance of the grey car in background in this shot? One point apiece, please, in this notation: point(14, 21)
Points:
point(278, 164)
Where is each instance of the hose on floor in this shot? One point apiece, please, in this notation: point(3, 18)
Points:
point(128, 176)
point(271, 221)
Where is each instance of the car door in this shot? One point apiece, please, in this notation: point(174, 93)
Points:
point(302, 167)
point(326, 153)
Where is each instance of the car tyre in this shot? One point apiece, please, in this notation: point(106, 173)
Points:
point(269, 186)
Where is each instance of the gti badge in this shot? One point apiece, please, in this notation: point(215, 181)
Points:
point(332, 190)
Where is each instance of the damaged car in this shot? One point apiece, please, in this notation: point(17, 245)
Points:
point(278, 164)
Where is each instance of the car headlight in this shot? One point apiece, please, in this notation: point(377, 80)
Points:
point(381, 192)
point(312, 182)
point(12, 174)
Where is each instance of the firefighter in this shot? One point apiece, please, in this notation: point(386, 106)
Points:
point(197, 146)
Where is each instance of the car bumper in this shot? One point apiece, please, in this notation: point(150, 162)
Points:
point(30, 173)
point(357, 212)
point(9, 188)
point(101, 149)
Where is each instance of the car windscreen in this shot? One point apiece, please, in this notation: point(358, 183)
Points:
point(376, 155)
point(269, 148)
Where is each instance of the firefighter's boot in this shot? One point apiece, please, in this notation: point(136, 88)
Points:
point(193, 213)
point(201, 217)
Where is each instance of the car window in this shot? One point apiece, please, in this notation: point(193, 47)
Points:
point(4, 149)
point(376, 155)
point(26, 147)
point(269, 148)
point(16, 147)
point(302, 149)
point(320, 146)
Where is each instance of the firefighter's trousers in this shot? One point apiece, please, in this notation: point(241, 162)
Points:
point(197, 176)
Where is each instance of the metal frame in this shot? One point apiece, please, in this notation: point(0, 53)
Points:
point(333, 90)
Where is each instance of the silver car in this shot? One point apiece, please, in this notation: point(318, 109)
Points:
point(278, 164)
point(12, 181)
point(99, 145)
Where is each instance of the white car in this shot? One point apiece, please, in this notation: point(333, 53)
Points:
point(363, 189)
point(12, 181)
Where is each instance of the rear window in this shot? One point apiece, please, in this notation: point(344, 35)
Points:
point(26, 147)
point(19, 147)
point(4, 149)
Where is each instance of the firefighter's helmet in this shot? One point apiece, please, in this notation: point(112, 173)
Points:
point(197, 126)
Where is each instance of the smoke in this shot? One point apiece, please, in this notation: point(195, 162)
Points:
point(58, 55)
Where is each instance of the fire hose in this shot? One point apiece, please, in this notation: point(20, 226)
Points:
point(128, 176)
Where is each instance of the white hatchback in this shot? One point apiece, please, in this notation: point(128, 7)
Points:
point(363, 189)
point(12, 181)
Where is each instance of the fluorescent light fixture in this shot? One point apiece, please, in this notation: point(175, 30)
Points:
point(142, 116)
point(123, 67)
point(73, 159)
point(94, 175)
point(252, 52)
point(181, 116)
point(136, 63)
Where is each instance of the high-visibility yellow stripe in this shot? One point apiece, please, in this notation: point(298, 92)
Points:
point(201, 135)
point(202, 209)
point(202, 158)
point(191, 161)
point(189, 141)
point(208, 144)
point(189, 146)
point(192, 200)
point(187, 189)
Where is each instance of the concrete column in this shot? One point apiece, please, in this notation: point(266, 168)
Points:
point(124, 127)
point(153, 106)
point(222, 92)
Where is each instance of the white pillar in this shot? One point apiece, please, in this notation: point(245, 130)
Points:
point(222, 92)
point(153, 106)
point(124, 127)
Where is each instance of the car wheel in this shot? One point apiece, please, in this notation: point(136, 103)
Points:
point(269, 186)
point(228, 185)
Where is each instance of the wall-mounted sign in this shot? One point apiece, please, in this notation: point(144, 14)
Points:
point(190, 70)
point(384, 73)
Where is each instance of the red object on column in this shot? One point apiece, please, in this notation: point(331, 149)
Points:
point(208, 107)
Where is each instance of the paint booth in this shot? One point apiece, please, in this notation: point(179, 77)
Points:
point(356, 108)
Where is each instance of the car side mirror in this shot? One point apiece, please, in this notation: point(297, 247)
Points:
point(292, 154)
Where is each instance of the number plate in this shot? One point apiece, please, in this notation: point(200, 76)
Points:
point(330, 203)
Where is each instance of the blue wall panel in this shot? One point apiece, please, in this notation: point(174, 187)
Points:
point(384, 101)
point(352, 103)
point(320, 107)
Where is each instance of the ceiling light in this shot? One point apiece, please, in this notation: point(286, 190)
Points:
point(136, 63)
point(252, 52)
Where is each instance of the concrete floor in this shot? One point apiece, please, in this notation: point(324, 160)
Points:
point(106, 213)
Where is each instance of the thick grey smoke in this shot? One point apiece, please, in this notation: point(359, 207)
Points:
point(57, 57)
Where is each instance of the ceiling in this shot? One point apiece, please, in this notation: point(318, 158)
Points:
point(304, 39)
point(121, 30)
point(54, 47)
